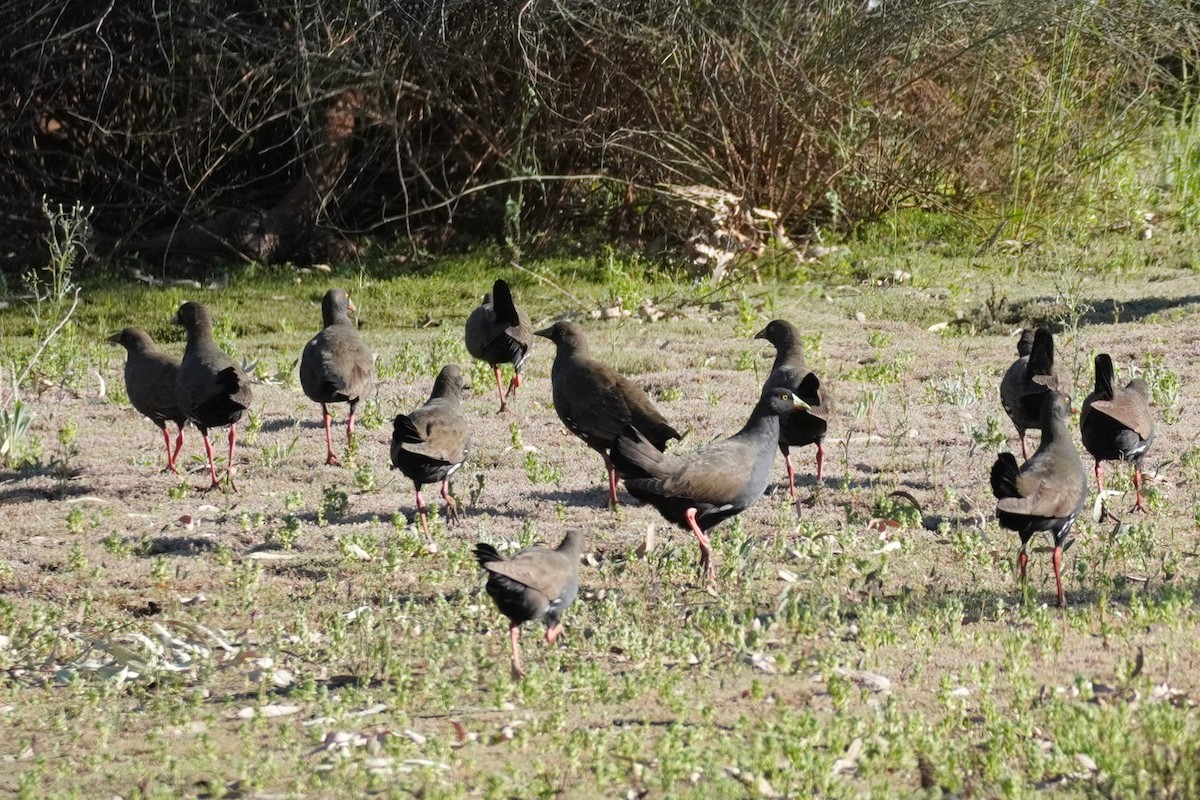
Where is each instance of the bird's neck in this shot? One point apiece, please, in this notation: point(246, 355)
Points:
point(446, 395)
point(790, 355)
point(762, 421)
point(1053, 430)
point(200, 334)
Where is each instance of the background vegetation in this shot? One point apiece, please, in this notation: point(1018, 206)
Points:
point(303, 130)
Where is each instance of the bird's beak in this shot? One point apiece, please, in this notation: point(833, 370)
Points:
point(175, 318)
point(798, 404)
point(115, 338)
point(544, 333)
point(761, 334)
point(350, 305)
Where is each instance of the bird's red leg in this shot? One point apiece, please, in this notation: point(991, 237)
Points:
point(514, 384)
point(170, 458)
point(612, 480)
point(1099, 480)
point(1022, 562)
point(705, 548)
point(330, 458)
point(500, 387)
point(1024, 452)
point(212, 469)
point(424, 520)
point(178, 446)
point(787, 462)
point(350, 426)
point(820, 461)
point(451, 503)
point(514, 632)
point(1056, 560)
point(1137, 489)
point(553, 633)
point(229, 463)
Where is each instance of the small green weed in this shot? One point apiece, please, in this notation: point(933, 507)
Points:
point(75, 520)
point(334, 504)
point(539, 472)
point(364, 477)
point(1164, 387)
point(277, 453)
point(991, 437)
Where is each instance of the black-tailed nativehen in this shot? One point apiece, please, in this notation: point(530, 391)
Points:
point(806, 426)
point(499, 332)
point(1047, 492)
point(535, 585)
point(212, 391)
point(1030, 377)
point(150, 377)
point(701, 489)
point(596, 402)
point(1116, 423)
point(336, 366)
point(431, 443)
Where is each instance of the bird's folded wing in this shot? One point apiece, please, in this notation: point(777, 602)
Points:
point(544, 571)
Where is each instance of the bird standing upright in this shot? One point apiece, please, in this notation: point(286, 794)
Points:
point(1116, 423)
point(1047, 492)
point(150, 377)
point(596, 402)
point(212, 391)
point(431, 443)
point(536, 584)
point(720, 480)
point(806, 426)
point(499, 332)
point(1030, 377)
point(336, 366)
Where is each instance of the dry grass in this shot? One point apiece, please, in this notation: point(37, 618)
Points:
point(839, 660)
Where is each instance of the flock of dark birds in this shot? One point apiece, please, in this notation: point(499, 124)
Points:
point(613, 416)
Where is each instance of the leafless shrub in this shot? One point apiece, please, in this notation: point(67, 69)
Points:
point(288, 130)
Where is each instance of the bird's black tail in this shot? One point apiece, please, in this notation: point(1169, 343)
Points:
point(1041, 357)
point(1005, 474)
point(502, 303)
point(1106, 377)
point(486, 554)
point(634, 455)
point(809, 389)
point(403, 430)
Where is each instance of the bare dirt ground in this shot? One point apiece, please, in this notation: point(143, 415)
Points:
point(107, 548)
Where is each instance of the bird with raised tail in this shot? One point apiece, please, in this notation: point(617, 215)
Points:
point(596, 402)
point(212, 390)
point(1047, 492)
point(809, 425)
point(536, 584)
point(1030, 377)
point(499, 332)
point(336, 366)
point(150, 378)
point(430, 444)
point(1116, 423)
point(699, 490)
